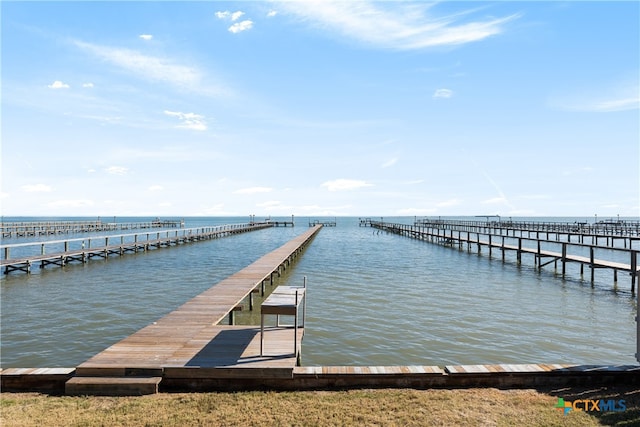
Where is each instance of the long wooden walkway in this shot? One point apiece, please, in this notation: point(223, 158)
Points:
point(63, 252)
point(45, 228)
point(190, 343)
point(567, 251)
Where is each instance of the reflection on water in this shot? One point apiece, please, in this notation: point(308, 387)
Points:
point(373, 299)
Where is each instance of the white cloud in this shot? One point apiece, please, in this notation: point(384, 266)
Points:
point(117, 170)
point(241, 26)
point(272, 13)
point(393, 25)
point(36, 188)
point(226, 15)
point(156, 188)
point(345, 184)
point(87, 85)
point(189, 120)
point(442, 93)
point(254, 190)
point(58, 85)
point(146, 36)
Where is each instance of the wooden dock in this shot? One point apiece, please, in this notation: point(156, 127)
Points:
point(46, 228)
point(190, 343)
point(324, 223)
point(63, 252)
point(605, 233)
point(494, 238)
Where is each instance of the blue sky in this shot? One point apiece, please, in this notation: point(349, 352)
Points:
point(320, 108)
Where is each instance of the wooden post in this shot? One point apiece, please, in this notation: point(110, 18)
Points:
point(634, 270)
point(564, 258)
point(490, 246)
point(593, 269)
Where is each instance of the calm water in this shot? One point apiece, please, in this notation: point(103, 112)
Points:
point(374, 299)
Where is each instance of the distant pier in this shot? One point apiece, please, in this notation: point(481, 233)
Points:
point(47, 228)
point(63, 252)
point(569, 245)
point(324, 223)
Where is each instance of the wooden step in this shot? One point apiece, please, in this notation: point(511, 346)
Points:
point(112, 386)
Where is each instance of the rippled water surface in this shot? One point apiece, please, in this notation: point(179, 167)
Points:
point(373, 299)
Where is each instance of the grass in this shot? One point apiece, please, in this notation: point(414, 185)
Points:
point(384, 407)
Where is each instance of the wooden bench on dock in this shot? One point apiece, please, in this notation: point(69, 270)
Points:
point(284, 301)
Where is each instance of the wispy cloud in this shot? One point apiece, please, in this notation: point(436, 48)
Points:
point(117, 170)
point(189, 120)
point(395, 25)
point(254, 190)
point(390, 162)
point(156, 188)
point(58, 85)
point(495, 201)
point(602, 98)
point(146, 36)
point(270, 204)
point(72, 203)
point(442, 93)
point(88, 85)
point(609, 105)
point(345, 184)
point(154, 68)
point(36, 188)
point(448, 203)
point(415, 211)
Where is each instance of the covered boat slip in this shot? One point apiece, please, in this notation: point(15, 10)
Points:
point(189, 341)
